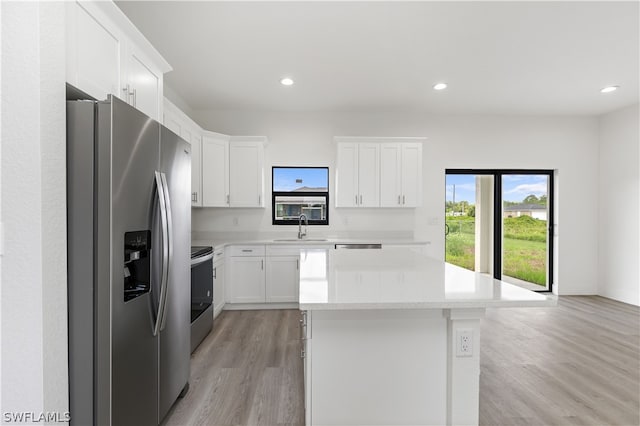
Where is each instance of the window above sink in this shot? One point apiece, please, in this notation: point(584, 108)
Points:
point(297, 191)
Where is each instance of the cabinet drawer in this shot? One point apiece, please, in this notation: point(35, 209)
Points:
point(254, 250)
point(293, 250)
point(218, 254)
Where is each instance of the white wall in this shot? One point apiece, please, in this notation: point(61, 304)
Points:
point(619, 206)
point(34, 329)
point(567, 144)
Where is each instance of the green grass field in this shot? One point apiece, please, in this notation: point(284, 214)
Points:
point(524, 244)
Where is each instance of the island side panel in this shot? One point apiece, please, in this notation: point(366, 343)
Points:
point(379, 367)
point(463, 365)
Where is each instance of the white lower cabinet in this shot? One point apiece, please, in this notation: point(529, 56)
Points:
point(283, 278)
point(264, 274)
point(219, 271)
point(247, 280)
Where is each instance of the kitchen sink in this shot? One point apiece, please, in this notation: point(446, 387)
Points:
point(304, 240)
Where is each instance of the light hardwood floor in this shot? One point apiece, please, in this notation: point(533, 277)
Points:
point(575, 364)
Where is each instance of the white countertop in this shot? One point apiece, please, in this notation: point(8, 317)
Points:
point(400, 278)
point(290, 239)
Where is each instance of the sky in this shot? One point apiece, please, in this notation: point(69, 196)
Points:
point(284, 179)
point(514, 187)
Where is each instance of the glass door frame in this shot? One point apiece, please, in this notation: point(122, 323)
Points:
point(497, 213)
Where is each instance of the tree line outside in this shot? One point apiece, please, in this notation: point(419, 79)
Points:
point(524, 240)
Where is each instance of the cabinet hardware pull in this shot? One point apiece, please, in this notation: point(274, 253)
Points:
point(298, 264)
point(215, 273)
point(302, 353)
point(227, 199)
point(360, 199)
point(262, 264)
point(398, 199)
point(128, 93)
point(247, 251)
point(135, 97)
point(403, 199)
point(259, 200)
point(356, 200)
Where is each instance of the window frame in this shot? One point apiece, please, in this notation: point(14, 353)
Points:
point(497, 243)
point(275, 194)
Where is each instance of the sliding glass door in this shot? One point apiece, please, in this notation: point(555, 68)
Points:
point(525, 219)
point(499, 222)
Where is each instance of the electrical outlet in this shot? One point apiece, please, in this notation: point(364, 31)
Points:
point(464, 342)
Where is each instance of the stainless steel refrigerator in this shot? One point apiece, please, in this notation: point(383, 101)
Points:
point(129, 225)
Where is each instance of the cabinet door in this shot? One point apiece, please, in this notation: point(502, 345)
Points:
point(368, 175)
point(390, 175)
point(282, 279)
point(347, 175)
point(411, 174)
point(247, 280)
point(94, 51)
point(196, 165)
point(172, 122)
point(215, 172)
point(218, 287)
point(144, 84)
point(246, 174)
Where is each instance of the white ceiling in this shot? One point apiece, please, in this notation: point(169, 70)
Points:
point(497, 57)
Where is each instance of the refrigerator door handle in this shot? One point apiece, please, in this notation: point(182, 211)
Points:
point(165, 251)
point(167, 204)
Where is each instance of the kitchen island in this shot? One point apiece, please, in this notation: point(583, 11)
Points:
point(392, 337)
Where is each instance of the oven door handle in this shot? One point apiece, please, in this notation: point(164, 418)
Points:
point(198, 260)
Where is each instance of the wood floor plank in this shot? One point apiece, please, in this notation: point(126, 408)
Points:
point(574, 364)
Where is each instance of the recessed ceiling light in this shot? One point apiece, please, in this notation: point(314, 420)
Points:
point(440, 86)
point(609, 89)
point(286, 81)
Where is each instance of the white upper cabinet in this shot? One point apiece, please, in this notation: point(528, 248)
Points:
point(347, 175)
point(94, 50)
point(180, 124)
point(106, 54)
point(246, 171)
point(226, 171)
point(411, 176)
point(390, 171)
point(357, 177)
point(400, 174)
point(143, 83)
point(196, 171)
point(215, 170)
point(379, 172)
point(369, 175)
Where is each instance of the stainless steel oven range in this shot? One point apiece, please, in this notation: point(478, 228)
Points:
point(201, 294)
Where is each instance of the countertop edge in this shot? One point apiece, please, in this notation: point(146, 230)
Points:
point(549, 301)
point(221, 244)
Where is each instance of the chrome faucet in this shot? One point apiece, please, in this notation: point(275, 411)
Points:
point(301, 234)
